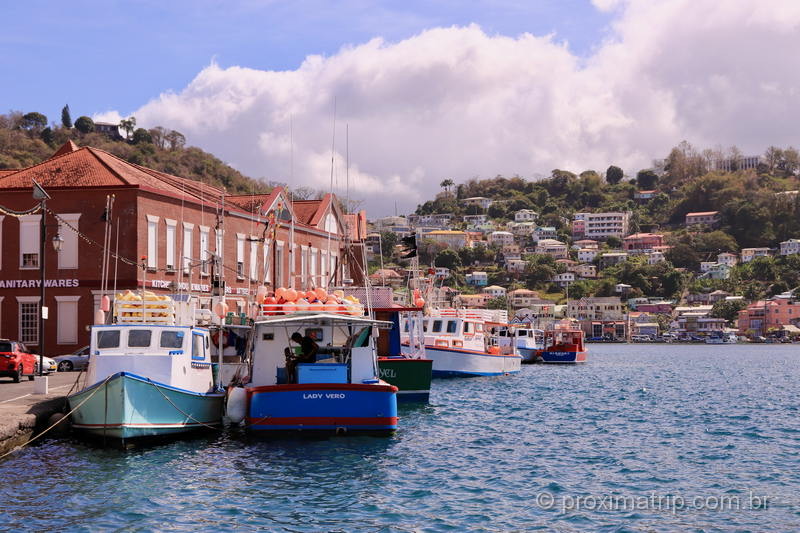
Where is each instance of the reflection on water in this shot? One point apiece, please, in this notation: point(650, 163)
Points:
point(694, 421)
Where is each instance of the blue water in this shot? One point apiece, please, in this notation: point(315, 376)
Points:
point(708, 424)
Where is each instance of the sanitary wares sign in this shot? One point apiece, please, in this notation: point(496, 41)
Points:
point(36, 283)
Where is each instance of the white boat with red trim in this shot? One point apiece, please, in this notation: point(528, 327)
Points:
point(464, 342)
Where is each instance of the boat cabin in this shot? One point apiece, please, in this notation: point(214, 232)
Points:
point(569, 340)
point(346, 354)
point(449, 332)
point(176, 355)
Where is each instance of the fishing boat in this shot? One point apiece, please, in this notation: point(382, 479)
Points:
point(149, 374)
point(410, 372)
point(529, 342)
point(564, 344)
point(340, 393)
point(464, 342)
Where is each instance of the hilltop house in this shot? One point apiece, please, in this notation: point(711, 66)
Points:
point(703, 218)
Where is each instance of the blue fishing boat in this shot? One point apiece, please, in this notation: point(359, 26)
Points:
point(147, 377)
point(340, 393)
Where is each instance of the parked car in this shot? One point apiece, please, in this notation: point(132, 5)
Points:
point(16, 361)
point(77, 360)
point(50, 365)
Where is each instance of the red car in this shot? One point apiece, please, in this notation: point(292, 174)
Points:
point(16, 361)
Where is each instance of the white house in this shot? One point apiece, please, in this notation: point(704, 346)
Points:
point(494, 291)
point(564, 278)
point(525, 215)
point(792, 246)
point(480, 201)
point(728, 259)
point(587, 255)
point(748, 254)
point(552, 247)
point(502, 238)
point(480, 279)
point(705, 266)
point(515, 266)
point(544, 232)
point(654, 258)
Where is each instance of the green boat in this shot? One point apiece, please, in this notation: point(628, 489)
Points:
point(411, 375)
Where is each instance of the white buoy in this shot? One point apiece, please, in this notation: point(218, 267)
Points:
point(236, 406)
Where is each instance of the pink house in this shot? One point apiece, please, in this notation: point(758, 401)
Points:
point(763, 317)
point(642, 241)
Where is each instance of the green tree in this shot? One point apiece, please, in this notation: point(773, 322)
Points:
point(388, 242)
point(142, 136)
point(646, 180)
point(614, 175)
point(448, 258)
point(501, 302)
point(47, 136)
point(728, 309)
point(66, 119)
point(128, 125)
point(84, 124)
point(33, 122)
point(446, 184)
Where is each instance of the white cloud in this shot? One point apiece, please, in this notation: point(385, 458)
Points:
point(456, 102)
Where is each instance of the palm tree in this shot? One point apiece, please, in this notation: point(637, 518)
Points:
point(128, 124)
point(446, 184)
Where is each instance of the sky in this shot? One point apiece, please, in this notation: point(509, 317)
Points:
point(413, 92)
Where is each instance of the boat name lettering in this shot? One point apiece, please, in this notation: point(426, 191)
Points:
point(31, 283)
point(327, 396)
point(388, 373)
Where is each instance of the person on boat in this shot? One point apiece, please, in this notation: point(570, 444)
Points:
point(308, 354)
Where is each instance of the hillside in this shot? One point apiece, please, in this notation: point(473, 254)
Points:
point(25, 140)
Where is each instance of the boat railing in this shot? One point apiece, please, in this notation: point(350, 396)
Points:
point(275, 309)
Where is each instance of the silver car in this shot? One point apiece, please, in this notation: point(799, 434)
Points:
point(50, 365)
point(77, 360)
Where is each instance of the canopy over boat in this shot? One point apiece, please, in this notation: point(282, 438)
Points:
point(301, 319)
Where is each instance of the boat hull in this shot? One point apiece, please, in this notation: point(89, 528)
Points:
point(528, 355)
point(412, 377)
point(449, 362)
point(330, 408)
point(565, 357)
point(128, 406)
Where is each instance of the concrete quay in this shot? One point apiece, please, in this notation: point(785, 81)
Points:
point(23, 413)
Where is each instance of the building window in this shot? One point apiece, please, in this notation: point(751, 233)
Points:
point(152, 241)
point(267, 261)
point(240, 255)
point(313, 269)
point(204, 253)
point(188, 234)
point(29, 236)
point(279, 265)
point(68, 256)
point(303, 266)
point(28, 319)
point(253, 258)
point(67, 319)
point(170, 259)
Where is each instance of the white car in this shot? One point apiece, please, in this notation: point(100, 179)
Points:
point(50, 365)
point(77, 360)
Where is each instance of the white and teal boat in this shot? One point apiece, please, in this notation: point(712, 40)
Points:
point(147, 380)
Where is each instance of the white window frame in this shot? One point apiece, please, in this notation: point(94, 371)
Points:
point(204, 252)
point(254, 258)
point(266, 261)
point(29, 237)
point(69, 255)
point(69, 317)
point(171, 237)
point(21, 300)
point(152, 241)
point(240, 270)
point(312, 271)
point(188, 237)
point(303, 267)
point(279, 257)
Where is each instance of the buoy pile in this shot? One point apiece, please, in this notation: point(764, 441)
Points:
point(287, 301)
point(148, 305)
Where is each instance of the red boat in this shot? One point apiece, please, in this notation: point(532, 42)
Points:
point(563, 344)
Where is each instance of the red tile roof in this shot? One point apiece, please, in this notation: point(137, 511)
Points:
point(68, 147)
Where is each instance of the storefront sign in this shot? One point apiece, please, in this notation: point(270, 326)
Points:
point(181, 286)
point(37, 283)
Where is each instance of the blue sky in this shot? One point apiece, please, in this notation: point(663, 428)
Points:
point(113, 54)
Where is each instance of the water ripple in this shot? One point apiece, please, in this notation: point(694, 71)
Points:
point(660, 421)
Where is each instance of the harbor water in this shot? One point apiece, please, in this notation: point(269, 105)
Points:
point(641, 438)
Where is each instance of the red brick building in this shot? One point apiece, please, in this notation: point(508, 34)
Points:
point(169, 225)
